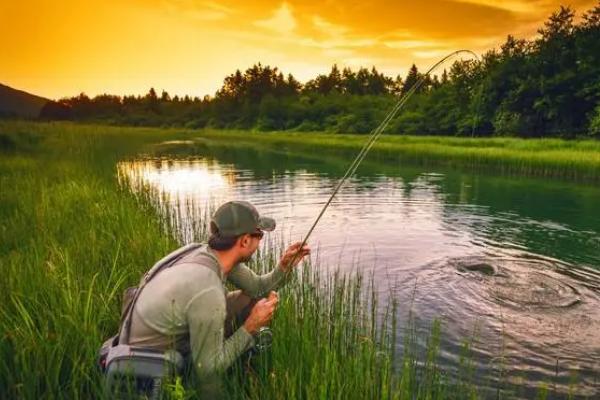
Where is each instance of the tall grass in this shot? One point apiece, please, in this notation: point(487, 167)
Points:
point(553, 158)
point(72, 238)
point(70, 241)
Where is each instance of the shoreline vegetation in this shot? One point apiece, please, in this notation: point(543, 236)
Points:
point(573, 160)
point(72, 239)
point(577, 160)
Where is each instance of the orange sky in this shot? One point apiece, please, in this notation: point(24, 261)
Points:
point(62, 48)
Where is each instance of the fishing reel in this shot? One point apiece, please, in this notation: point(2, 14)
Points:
point(264, 339)
point(259, 358)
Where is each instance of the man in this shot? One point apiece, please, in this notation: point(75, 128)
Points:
point(188, 307)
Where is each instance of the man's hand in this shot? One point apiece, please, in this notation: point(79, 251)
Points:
point(294, 255)
point(261, 313)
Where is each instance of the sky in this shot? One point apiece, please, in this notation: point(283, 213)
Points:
point(62, 48)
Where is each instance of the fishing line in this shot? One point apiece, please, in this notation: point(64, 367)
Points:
point(373, 138)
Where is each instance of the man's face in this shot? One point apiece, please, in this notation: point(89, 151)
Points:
point(248, 245)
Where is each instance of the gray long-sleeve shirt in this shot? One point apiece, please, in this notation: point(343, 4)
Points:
point(184, 306)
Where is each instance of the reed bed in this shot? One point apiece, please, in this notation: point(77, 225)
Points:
point(551, 158)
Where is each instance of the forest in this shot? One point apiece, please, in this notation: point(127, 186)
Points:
point(548, 86)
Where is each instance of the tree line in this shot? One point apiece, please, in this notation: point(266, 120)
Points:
point(547, 86)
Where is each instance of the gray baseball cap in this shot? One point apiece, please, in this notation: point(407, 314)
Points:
point(235, 218)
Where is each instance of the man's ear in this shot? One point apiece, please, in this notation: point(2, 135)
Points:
point(244, 241)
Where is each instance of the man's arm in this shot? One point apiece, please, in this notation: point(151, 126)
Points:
point(211, 353)
point(257, 286)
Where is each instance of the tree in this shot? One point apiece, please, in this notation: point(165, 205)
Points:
point(411, 79)
point(56, 110)
point(444, 77)
point(378, 84)
point(594, 129)
point(293, 85)
point(397, 86)
point(349, 83)
point(335, 78)
point(151, 101)
point(325, 84)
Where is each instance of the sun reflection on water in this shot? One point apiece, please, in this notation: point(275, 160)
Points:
point(197, 178)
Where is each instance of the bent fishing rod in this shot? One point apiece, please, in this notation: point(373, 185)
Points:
point(373, 138)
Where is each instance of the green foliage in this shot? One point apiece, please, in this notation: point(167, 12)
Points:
point(409, 122)
point(70, 241)
point(507, 123)
point(595, 123)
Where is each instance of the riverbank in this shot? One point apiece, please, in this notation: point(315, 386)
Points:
point(72, 239)
point(553, 158)
point(577, 160)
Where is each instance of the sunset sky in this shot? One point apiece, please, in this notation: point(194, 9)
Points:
point(61, 48)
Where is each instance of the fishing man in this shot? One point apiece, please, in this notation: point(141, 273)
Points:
point(187, 305)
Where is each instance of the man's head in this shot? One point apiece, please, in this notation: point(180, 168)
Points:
point(237, 227)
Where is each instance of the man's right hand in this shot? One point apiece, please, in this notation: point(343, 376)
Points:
point(261, 313)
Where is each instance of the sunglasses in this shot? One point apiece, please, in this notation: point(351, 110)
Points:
point(258, 234)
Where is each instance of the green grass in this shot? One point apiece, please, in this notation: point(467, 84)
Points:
point(553, 158)
point(71, 239)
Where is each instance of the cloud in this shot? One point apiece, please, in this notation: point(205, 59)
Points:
point(340, 43)
point(281, 21)
point(357, 62)
point(219, 7)
point(529, 9)
point(211, 11)
point(412, 44)
point(207, 15)
point(327, 27)
point(202, 11)
point(514, 6)
point(429, 54)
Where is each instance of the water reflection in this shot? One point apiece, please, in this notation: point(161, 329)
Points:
point(513, 258)
point(197, 178)
point(382, 218)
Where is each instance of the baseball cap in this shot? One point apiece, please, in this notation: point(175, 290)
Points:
point(235, 218)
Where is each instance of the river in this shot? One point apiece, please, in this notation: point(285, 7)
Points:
point(510, 264)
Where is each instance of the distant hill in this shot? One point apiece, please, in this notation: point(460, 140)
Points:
point(17, 103)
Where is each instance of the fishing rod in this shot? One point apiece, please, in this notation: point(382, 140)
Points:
point(373, 138)
point(265, 335)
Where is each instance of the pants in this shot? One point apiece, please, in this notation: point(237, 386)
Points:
point(239, 306)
